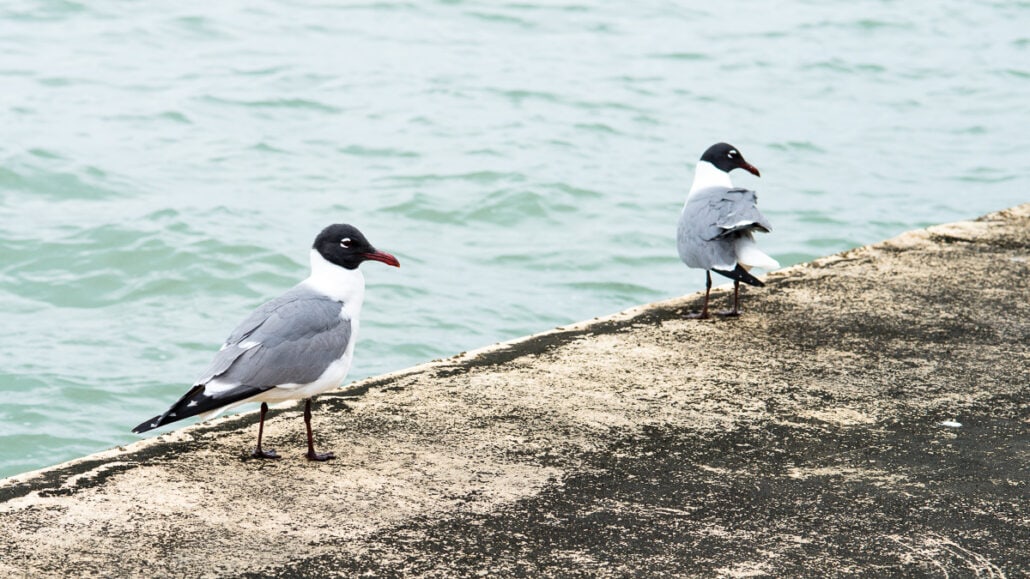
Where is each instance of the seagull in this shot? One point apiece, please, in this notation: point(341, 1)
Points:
point(716, 225)
point(296, 346)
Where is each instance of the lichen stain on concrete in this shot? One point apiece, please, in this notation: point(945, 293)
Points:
point(804, 438)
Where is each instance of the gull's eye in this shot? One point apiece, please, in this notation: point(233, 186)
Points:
point(733, 153)
point(345, 243)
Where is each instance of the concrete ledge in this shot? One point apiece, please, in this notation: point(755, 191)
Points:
point(869, 415)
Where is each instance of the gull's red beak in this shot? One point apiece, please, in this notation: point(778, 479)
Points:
point(383, 257)
point(751, 169)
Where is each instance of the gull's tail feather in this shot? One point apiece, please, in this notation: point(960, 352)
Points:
point(195, 402)
point(748, 254)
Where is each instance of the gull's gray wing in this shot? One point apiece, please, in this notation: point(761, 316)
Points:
point(291, 339)
point(725, 211)
point(711, 219)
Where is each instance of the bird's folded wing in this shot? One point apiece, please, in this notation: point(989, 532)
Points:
point(721, 212)
point(291, 339)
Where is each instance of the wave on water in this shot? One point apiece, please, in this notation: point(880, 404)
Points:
point(499, 206)
point(110, 264)
point(287, 104)
point(87, 183)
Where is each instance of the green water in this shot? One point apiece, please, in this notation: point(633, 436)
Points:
point(163, 170)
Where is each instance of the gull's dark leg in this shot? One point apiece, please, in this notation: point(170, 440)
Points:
point(736, 302)
point(708, 289)
point(258, 453)
point(312, 455)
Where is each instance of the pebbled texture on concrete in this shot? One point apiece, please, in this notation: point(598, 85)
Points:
point(868, 415)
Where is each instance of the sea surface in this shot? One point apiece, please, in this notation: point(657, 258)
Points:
point(164, 167)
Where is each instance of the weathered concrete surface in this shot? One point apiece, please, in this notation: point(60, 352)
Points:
point(804, 438)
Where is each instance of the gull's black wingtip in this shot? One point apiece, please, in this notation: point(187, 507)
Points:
point(148, 425)
point(196, 402)
point(741, 274)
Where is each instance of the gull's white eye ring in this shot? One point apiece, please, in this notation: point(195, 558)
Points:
point(345, 243)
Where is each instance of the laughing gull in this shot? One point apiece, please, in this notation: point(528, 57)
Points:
point(296, 346)
point(717, 222)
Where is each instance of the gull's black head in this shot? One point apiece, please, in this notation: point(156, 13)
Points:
point(345, 246)
point(726, 158)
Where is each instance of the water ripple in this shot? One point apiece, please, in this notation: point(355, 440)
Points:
point(277, 103)
point(59, 185)
point(361, 151)
point(499, 18)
